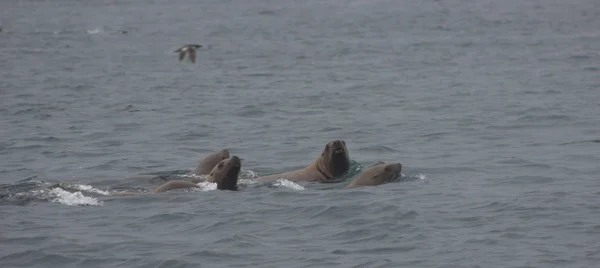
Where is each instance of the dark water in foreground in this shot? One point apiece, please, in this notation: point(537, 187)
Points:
point(491, 106)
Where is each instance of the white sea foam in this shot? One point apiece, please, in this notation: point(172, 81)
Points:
point(73, 199)
point(207, 186)
point(89, 188)
point(248, 173)
point(283, 183)
point(192, 175)
point(58, 195)
point(422, 176)
point(94, 31)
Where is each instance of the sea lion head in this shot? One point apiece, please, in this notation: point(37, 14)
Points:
point(226, 173)
point(334, 160)
point(210, 161)
point(378, 174)
point(390, 172)
point(224, 154)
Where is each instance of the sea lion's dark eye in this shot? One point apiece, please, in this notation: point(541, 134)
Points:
point(387, 169)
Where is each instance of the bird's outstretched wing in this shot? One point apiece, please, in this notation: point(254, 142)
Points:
point(193, 55)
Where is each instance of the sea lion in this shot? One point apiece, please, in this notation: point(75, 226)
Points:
point(210, 161)
point(204, 167)
point(333, 162)
point(225, 174)
point(377, 174)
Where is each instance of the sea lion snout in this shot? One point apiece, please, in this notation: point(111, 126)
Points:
point(235, 166)
point(237, 162)
point(228, 180)
point(396, 169)
point(338, 146)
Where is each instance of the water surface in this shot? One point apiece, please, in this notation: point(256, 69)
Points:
point(491, 106)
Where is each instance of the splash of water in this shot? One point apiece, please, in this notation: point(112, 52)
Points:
point(207, 186)
point(422, 176)
point(58, 195)
point(89, 188)
point(94, 31)
point(283, 183)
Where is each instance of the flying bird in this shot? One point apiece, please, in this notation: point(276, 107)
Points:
point(191, 49)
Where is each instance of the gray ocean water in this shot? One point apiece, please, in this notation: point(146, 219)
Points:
point(492, 107)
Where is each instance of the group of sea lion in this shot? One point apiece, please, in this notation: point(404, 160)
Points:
point(333, 163)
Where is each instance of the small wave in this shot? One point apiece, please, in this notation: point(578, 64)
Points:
point(193, 176)
point(79, 187)
point(416, 177)
point(63, 193)
point(61, 196)
point(94, 31)
point(355, 168)
point(266, 12)
point(376, 163)
point(420, 176)
point(73, 199)
point(248, 174)
point(378, 149)
point(206, 186)
point(583, 141)
point(283, 183)
point(89, 188)
point(210, 186)
point(247, 182)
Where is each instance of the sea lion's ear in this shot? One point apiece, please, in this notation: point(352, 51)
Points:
point(375, 176)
